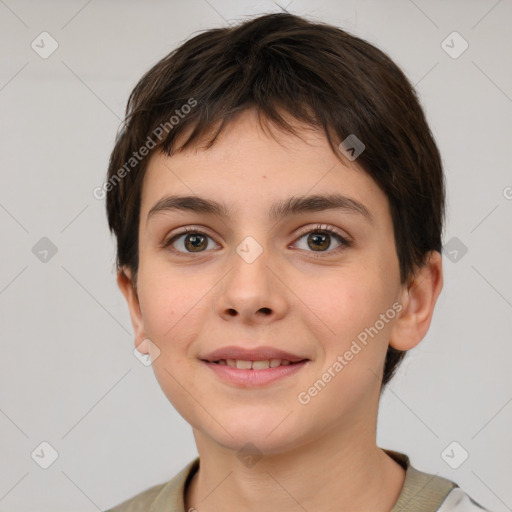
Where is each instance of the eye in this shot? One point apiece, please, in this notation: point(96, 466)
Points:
point(193, 241)
point(320, 240)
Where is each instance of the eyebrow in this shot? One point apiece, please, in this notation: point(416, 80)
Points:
point(279, 210)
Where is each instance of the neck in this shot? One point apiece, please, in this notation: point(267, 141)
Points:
point(340, 471)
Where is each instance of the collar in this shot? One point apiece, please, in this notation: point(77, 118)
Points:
point(421, 492)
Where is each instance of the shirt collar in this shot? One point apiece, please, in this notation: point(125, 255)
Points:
point(421, 492)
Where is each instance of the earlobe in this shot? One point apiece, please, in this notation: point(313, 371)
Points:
point(418, 300)
point(126, 285)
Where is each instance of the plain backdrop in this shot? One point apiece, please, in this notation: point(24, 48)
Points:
point(68, 376)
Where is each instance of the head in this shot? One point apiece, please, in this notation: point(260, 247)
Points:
point(252, 116)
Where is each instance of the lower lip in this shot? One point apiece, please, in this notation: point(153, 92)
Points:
point(249, 378)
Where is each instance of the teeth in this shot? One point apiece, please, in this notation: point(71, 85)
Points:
point(260, 365)
point(254, 365)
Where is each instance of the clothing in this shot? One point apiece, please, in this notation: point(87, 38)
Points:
point(421, 492)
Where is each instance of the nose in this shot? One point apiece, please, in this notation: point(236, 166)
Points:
point(251, 292)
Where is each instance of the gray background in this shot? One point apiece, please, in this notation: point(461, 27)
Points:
point(68, 375)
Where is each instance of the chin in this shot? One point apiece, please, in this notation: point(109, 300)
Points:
point(265, 434)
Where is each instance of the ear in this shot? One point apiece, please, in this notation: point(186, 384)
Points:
point(128, 289)
point(418, 300)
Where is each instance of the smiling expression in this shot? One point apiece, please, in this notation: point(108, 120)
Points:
point(285, 247)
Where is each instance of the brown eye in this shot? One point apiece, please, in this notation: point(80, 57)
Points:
point(188, 241)
point(195, 243)
point(319, 241)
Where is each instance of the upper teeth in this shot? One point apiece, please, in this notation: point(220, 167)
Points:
point(255, 365)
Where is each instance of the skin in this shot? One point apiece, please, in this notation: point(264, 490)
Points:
point(318, 456)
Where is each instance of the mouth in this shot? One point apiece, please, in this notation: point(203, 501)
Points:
point(264, 364)
point(245, 367)
point(244, 373)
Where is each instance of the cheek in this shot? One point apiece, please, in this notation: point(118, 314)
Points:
point(172, 308)
point(170, 303)
point(351, 307)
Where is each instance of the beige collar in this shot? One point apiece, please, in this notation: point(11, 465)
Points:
point(421, 492)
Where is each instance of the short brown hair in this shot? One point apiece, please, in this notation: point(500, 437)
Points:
point(321, 76)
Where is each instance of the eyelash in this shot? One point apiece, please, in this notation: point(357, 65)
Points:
point(319, 228)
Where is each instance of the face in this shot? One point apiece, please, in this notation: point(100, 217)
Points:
point(308, 281)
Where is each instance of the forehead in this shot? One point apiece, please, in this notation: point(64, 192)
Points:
point(251, 166)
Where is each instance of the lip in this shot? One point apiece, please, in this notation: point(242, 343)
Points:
point(250, 378)
point(257, 354)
